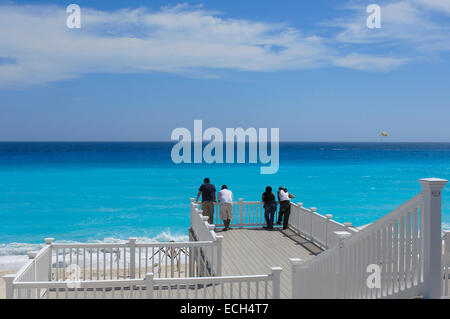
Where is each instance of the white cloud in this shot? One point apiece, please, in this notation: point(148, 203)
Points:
point(405, 26)
point(438, 5)
point(181, 39)
point(369, 63)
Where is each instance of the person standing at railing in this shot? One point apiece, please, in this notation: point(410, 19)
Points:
point(270, 207)
point(285, 206)
point(208, 192)
point(225, 199)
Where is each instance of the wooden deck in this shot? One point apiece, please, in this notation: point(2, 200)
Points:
point(252, 251)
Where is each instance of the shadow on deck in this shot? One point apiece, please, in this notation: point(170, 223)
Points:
point(252, 251)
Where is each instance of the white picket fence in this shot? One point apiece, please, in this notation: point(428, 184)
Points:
point(229, 287)
point(406, 245)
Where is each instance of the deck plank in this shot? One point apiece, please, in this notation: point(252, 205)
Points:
point(253, 251)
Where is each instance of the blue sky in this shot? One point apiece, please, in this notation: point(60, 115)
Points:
point(136, 70)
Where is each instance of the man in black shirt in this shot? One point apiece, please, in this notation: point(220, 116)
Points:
point(208, 192)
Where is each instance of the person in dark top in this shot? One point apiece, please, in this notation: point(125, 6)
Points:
point(208, 192)
point(270, 207)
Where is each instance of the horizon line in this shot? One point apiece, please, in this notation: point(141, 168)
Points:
point(169, 141)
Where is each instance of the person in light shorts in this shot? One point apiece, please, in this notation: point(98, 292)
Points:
point(225, 198)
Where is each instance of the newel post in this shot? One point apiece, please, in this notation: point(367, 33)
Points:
point(295, 284)
point(432, 241)
point(340, 264)
point(276, 282)
point(241, 213)
point(149, 285)
point(219, 255)
point(9, 286)
point(132, 245)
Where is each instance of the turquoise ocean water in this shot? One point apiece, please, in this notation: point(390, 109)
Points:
point(88, 192)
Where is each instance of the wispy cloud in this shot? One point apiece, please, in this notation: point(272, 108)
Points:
point(180, 39)
point(408, 27)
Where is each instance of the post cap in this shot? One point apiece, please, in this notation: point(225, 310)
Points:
point(32, 254)
point(348, 224)
point(295, 261)
point(433, 183)
point(9, 277)
point(241, 199)
point(276, 269)
point(48, 241)
point(342, 234)
point(329, 216)
point(299, 204)
point(192, 199)
point(132, 239)
point(313, 209)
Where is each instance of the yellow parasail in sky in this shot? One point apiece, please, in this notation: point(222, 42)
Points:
point(384, 133)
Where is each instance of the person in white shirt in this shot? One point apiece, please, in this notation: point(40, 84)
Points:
point(225, 198)
point(285, 206)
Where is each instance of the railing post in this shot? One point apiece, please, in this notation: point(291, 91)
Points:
point(149, 285)
point(313, 209)
point(241, 213)
point(445, 263)
point(340, 264)
point(49, 241)
point(132, 246)
point(432, 241)
point(299, 205)
point(219, 255)
point(295, 286)
point(276, 282)
point(192, 208)
point(347, 226)
point(327, 225)
point(31, 255)
point(9, 288)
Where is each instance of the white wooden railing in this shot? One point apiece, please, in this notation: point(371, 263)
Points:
point(58, 263)
point(229, 287)
point(404, 248)
point(306, 222)
point(317, 228)
point(201, 230)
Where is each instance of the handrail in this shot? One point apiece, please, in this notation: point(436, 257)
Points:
point(403, 244)
point(410, 204)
